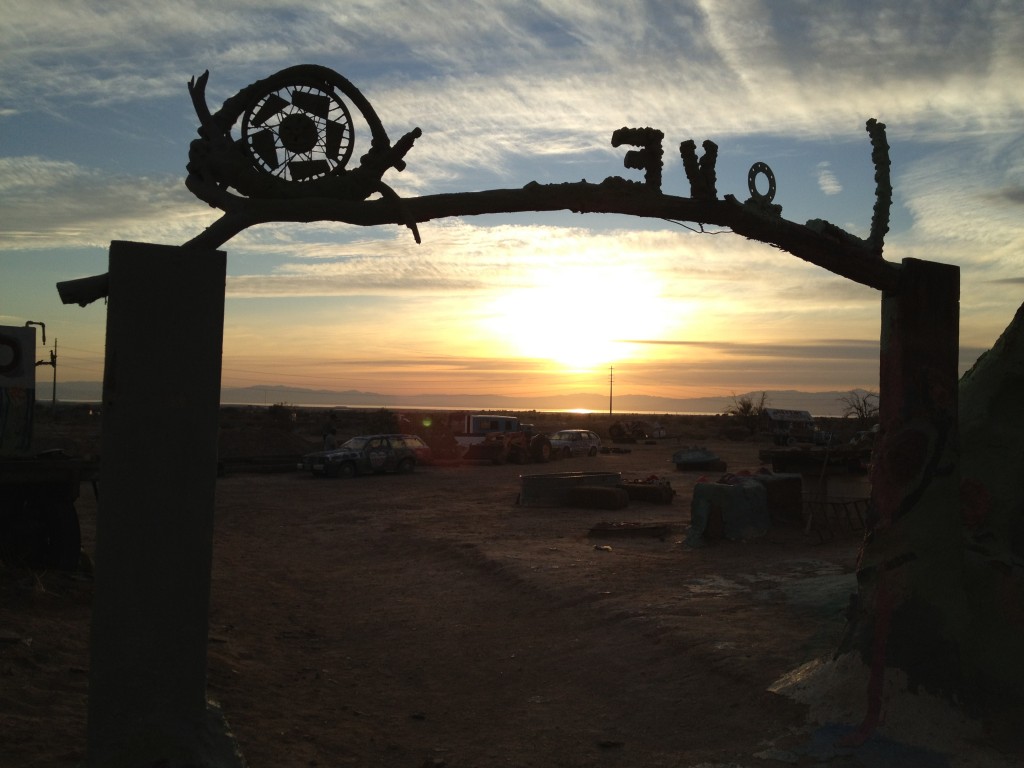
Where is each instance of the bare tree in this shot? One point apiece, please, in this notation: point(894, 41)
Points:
point(383, 420)
point(860, 405)
point(749, 411)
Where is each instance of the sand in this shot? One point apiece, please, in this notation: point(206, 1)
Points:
point(429, 620)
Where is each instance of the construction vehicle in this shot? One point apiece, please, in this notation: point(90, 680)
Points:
point(498, 439)
point(39, 526)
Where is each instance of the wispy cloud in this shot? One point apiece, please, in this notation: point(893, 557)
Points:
point(96, 121)
point(520, 81)
point(756, 67)
point(1013, 195)
point(822, 349)
point(827, 181)
point(59, 204)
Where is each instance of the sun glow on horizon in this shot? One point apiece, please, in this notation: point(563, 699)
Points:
point(580, 317)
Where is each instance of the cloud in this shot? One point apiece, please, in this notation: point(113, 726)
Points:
point(827, 181)
point(762, 67)
point(96, 121)
point(56, 204)
point(516, 92)
point(1013, 195)
point(461, 256)
point(966, 195)
point(821, 349)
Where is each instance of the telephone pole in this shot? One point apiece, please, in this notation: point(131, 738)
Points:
point(51, 362)
point(611, 378)
point(53, 391)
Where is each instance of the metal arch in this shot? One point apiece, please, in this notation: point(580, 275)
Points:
point(216, 163)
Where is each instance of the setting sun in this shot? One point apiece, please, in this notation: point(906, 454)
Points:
point(580, 317)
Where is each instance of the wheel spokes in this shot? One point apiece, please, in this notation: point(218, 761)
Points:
point(312, 103)
point(264, 144)
point(299, 133)
point(271, 106)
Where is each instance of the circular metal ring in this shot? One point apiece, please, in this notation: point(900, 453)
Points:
point(755, 169)
point(298, 132)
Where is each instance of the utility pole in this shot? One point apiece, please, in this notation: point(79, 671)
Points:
point(611, 378)
point(53, 392)
point(51, 362)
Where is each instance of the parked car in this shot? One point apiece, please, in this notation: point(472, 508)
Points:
point(368, 454)
point(574, 442)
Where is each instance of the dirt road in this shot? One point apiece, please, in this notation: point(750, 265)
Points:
point(427, 619)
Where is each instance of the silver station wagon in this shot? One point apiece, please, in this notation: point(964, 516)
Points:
point(574, 442)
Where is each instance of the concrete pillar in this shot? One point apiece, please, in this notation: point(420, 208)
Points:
point(154, 528)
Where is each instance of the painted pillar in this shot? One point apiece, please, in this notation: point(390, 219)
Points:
point(911, 577)
point(154, 528)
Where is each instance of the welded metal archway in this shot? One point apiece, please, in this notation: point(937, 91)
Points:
point(279, 151)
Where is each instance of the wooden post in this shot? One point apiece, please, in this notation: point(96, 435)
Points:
point(912, 604)
point(154, 529)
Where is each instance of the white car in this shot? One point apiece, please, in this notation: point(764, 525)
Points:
point(574, 442)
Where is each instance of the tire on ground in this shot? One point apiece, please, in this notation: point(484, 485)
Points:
point(540, 449)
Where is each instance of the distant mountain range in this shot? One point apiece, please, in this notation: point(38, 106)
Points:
point(818, 403)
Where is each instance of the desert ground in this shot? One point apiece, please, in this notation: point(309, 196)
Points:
point(430, 620)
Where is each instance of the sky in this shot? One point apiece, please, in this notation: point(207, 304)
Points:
point(96, 122)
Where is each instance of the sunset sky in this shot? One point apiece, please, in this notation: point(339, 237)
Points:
point(96, 122)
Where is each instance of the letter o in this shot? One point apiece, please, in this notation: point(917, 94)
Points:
point(755, 169)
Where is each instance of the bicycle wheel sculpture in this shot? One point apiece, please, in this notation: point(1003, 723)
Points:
point(299, 132)
point(290, 135)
